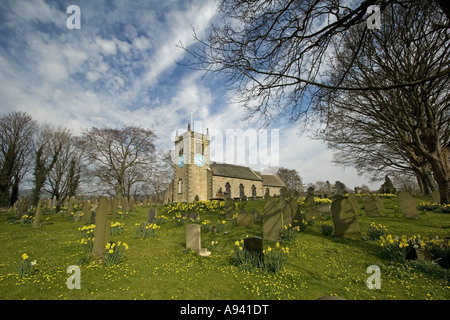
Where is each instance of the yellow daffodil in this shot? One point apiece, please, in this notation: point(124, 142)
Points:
point(24, 256)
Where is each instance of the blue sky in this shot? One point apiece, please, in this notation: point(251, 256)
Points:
point(121, 68)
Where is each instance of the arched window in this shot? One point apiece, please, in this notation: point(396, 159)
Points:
point(180, 186)
point(267, 191)
point(228, 189)
point(181, 152)
point(253, 191)
point(241, 191)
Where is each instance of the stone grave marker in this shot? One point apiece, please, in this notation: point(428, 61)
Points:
point(23, 205)
point(272, 219)
point(86, 211)
point(407, 205)
point(311, 210)
point(193, 240)
point(286, 212)
point(344, 219)
point(230, 208)
point(354, 201)
point(131, 204)
point(435, 196)
point(380, 203)
point(245, 220)
point(371, 206)
point(144, 202)
point(38, 214)
point(53, 205)
point(102, 226)
point(151, 218)
point(70, 205)
point(256, 216)
point(254, 245)
point(295, 209)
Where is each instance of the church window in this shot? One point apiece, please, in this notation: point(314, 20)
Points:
point(241, 191)
point(228, 189)
point(253, 191)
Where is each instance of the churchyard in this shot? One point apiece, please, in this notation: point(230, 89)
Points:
point(291, 248)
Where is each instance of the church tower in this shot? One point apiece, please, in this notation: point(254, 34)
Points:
point(192, 171)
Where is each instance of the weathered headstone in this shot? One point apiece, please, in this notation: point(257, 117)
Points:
point(295, 209)
point(229, 207)
point(144, 202)
point(245, 220)
point(23, 205)
point(102, 221)
point(407, 205)
point(256, 216)
point(131, 204)
point(38, 214)
point(344, 219)
point(354, 201)
point(435, 196)
point(311, 210)
point(371, 206)
point(254, 245)
point(86, 211)
point(272, 219)
point(151, 218)
point(380, 203)
point(70, 205)
point(286, 212)
point(193, 240)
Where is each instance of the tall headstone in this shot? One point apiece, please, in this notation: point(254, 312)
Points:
point(354, 201)
point(131, 204)
point(272, 219)
point(286, 212)
point(193, 240)
point(86, 211)
point(344, 219)
point(311, 210)
point(371, 206)
point(101, 232)
point(38, 214)
point(407, 205)
point(70, 205)
point(256, 216)
point(229, 207)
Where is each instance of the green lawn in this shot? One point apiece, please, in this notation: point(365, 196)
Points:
point(161, 267)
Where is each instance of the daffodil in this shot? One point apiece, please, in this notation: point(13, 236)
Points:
point(24, 256)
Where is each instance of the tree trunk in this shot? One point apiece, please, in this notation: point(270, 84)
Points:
point(441, 171)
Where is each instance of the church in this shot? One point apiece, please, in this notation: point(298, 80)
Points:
point(196, 178)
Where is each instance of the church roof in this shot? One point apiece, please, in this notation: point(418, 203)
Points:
point(233, 171)
point(272, 180)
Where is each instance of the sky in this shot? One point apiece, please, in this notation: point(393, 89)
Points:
point(123, 66)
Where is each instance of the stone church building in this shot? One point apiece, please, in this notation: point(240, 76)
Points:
point(194, 175)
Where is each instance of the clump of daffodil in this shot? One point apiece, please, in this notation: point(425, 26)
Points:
point(115, 253)
point(26, 266)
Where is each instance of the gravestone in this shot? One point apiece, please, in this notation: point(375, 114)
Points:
point(86, 211)
point(131, 204)
point(407, 205)
point(311, 210)
point(354, 201)
point(286, 212)
point(245, 220)
point(53, 205)
point(23, 205)
point(254, 245)
point(272, 219)
point(229, 207)
point(193, 240)
point(435, 196)
point(151, 218)
point(70, 205)
point(371, 206)
point(344, 219)
point(38, 214)
point(102, 226)
point(256, 216)
point(380, 203)
point(144, 202)
point(295, 209)
point(77, 215)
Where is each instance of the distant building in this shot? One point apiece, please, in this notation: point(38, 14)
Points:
point(195, 176)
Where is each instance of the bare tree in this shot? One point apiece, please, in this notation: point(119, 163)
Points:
point(291, 178)
point(16, 135)
point(403, 128)
point(119, 157)
point(273, 53)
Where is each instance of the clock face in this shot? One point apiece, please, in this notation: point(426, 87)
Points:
point(180, 161)
point(199, 160)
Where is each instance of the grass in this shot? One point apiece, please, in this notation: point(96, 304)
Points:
point(161, 268)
